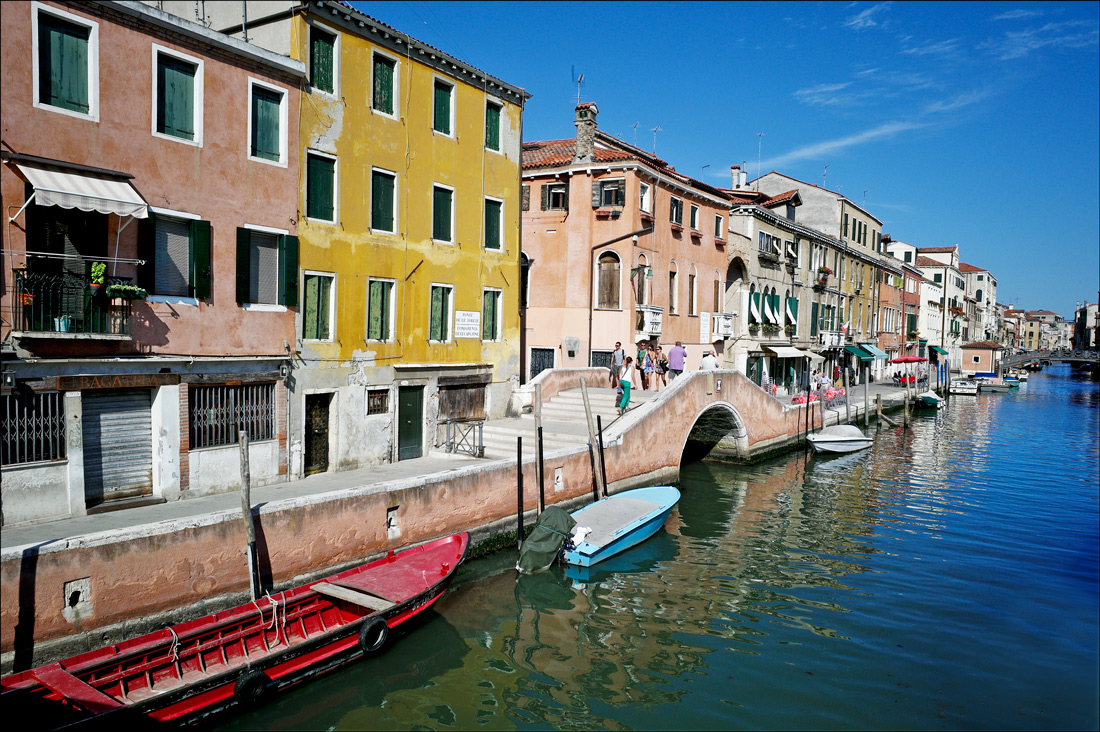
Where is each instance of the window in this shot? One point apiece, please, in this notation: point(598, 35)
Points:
point(676, 211)
point(217, 413)
point(320, 187)
point(441, 119)
point(555, 197)
point(494, 222)
point(640, 273)
point(694, 218)
point(718, 226)
point(490, 315)
point(378, 401)
point(383, 203)
point(267, 267)
point(380, 310)
point(34, 427)
point(908, 256)
point(790, 211)
point(317, 307)
point(439, 327)
point(442, 214)
point(609, 193)
point(844, 227)
point(938, 277)
point(717, 294)
point(608, 282)
point(492, 126)
point(322, 59)
point(673, 295)
point(691, 293)
point(66, 67)
point(180, 262)
point(382, 89)
point(792, 250)
point(981, 277)
point(976, 359)
point(267, 123)
point(177, 89)
point(644, 202)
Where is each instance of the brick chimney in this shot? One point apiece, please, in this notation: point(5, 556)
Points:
point(586, 131)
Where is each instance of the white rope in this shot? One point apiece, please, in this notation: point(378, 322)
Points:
point(175, 645)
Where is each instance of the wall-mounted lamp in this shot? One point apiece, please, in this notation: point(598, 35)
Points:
point(8, 379)
point(284, 371)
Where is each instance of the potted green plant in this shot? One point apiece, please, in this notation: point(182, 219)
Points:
point(754, 327)
point(126, 291)
point(789, 328)
point(99, 270)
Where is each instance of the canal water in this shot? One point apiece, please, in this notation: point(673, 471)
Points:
point(946, 578)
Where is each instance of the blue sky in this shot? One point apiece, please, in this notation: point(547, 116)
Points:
point(969, 124)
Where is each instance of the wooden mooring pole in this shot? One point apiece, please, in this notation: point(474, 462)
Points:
point(249, 524)
point(519, 492)
point(600, 487)
point(538, 433)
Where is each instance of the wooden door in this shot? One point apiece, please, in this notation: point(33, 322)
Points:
point(410, 422)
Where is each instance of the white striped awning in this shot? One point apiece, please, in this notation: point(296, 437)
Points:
point(784, 351)
point(55, 186)
point(754, 306)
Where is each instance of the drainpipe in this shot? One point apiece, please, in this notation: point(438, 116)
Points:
point(591, 264)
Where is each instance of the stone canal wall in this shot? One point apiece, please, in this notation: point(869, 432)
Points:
point(75, 594)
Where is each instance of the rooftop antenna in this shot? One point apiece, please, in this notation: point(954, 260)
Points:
point(655, 131)
point(636, 133)
point(759, 148)
point(864, 205)
point(823, 175)
point(703, 171)
point(579, 81)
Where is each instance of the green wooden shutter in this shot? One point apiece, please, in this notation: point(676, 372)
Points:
point(201, 273)
point(244, 242)
point(381, 201)
point(436, 329)
point(288, 270)
point(442, 121)
point(147, 251)
point(321, 45)
point(374, 311)
point(63, 63)
point(492, 126)
point(320, 182)
point(175, 97)
point(441, 214)
point(492, 224)
point(489, 316)
point(309, 307)
point(383, 85)
point(265, 123)
point(813, 319)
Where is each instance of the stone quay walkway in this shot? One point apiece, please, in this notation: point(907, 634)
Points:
point(564, 424)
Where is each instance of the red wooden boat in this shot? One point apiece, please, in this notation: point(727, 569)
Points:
point(193, 670)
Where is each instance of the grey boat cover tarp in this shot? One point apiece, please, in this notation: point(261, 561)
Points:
point(540, 549)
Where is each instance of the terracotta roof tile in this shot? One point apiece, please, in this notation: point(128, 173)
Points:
point(964, 267)
point(928, 262)
point(782, 197)
point(554, 153)
point(936, 250)
point(984, 344)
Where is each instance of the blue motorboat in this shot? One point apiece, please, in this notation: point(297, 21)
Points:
point(618, 522)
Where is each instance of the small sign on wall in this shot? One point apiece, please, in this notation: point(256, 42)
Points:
point(704, 327)
point(467, 324)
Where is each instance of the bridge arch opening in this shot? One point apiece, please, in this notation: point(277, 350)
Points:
point(718, 429)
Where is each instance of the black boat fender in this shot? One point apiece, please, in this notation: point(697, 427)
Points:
point(373, 635)
point(251, 687)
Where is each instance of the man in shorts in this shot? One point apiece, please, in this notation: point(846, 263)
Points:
point(676, 357)
point(617, 357)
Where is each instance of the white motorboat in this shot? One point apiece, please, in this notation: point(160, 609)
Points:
point(995, 387)
point(839, 438)
point(963, 386)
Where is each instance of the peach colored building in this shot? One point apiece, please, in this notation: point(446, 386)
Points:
point(149, 278)
point(981, 357)
point(620, 248)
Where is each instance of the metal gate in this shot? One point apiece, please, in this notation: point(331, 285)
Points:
point(317, 408)
point(541, 359)
point(118, 445)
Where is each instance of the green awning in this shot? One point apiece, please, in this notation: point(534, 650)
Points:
point(856, 351)
point(874, 351)
point(939, 350)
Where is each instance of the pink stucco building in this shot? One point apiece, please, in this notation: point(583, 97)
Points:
point(149, 275)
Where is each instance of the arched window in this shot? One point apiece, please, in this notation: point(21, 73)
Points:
point(978, 295)
point(717, 292)
point(673, 292)
point(608, 297)
point(692, 301)
point(754, 305)
point(641, 285)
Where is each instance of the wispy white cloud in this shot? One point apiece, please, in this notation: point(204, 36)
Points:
point(1066, 34)
point(823, 95)
point(1015, 14)
point(957, 102)
point(865, 18)
point(940, 48)
point(831, 147)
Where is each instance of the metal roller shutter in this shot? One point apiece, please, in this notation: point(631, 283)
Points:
point(118, 444)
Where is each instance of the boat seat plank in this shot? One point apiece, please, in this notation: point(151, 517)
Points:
point(361, 584)
point(354, 596)
point(58, 680)
point(605, 518)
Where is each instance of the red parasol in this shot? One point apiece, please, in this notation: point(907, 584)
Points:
point(907, 359)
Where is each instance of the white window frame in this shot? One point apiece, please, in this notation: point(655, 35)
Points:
point(392, 320)
point(693, 217)
point(335, 93)
point(502, 247)
point(265, 307)
point(719, 226)
point(608, 184)
point(396, 85)
point(450, 312)
point(645, 197)
point(671, 220)
point(562, 187)
point(454, 132)
point(674, 288)
point(370, 200)
point(284, 101)
point(498, 326)
point(93, 61)
point(693, 292)
point(331, 305)
point(335, 187)
point(431, 207)
point(197, 106)
point(500, 127)
point(168, 213)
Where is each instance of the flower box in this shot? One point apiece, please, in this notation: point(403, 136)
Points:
point(126, 292)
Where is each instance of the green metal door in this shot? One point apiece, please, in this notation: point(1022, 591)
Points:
point(410, 422)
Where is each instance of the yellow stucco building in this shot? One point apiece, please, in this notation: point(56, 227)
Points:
point(408, 224)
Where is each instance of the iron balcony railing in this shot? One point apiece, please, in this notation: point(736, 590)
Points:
point(68, 303)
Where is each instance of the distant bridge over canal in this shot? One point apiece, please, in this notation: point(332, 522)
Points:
point(1058, 356)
